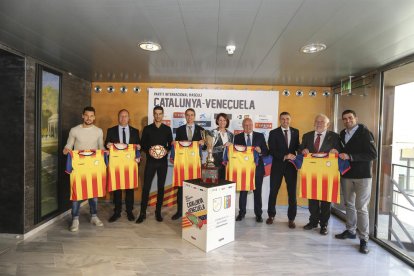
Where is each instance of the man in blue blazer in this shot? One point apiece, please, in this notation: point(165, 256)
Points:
point(283, 145)
point(188, 132)
point(123, 133)
point(258, 141)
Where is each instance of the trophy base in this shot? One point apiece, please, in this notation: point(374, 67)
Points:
point(209, 174)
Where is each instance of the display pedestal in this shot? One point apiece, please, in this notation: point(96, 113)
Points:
point(208, 213)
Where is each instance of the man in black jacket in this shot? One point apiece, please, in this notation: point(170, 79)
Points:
point(283, 144)
point(126, 134)
point(188, 132)
point(258, 141)
point(359, 148)
point(155, 134)
point(320, 140)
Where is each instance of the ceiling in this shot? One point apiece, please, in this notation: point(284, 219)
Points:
point(97, 39)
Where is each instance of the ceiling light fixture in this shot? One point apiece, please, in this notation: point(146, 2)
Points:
point(150, 46)
point(230, 49)
point(313, 48)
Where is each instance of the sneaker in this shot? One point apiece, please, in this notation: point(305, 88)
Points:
point(96, 221)
point(75, 226)
point(363, 247)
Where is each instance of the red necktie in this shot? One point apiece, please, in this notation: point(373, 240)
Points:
point(286, 138)
point(317, 142)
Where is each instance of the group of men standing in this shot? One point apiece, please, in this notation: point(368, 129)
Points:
point(355, 143)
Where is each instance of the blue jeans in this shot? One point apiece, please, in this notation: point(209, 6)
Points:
point(93, 206)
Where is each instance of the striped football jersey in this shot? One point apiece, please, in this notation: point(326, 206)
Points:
point(87, 169)
point(187, 161)
point(122, 167)
point(241, 162)
point(319, 175)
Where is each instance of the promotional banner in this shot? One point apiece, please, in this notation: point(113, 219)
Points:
point(260, 106)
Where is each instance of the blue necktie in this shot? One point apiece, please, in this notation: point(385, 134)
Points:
point(249, 142)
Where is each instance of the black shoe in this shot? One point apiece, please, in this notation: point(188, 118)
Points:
point(259, 219)
point(141, 218)
point(240, 217)
point(345, 235)
point(176, 216)
point(114, 217)
point(158, 217)
point(130, 216)
point(363, 247)
point(309, 226)
point(324, 230)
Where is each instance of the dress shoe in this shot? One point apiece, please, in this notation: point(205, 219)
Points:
point(309, 226)
point(259, 219)
point(292, 224)
point(141, 218)
point(176, 216)
point(324, 230)
point(114, 217)
point(240, 217)
point(158, 217)
point(345, 235)
point(270, 220)
point(130, 216)
point(363, 247)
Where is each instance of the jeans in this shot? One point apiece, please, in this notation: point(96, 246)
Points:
point(93, 206)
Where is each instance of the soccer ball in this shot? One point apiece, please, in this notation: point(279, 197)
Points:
point(157, 151)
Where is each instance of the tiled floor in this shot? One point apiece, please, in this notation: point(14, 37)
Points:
point(126, 248)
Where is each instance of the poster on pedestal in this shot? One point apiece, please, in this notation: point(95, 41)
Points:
point(208, 213)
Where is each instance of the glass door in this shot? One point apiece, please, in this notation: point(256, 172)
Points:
point(395, 220)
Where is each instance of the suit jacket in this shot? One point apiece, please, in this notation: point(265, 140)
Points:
point(181, 133)
point(362, 150)
point(277, 144)
point(257, 141)
point(331, 141)
point(112, 135)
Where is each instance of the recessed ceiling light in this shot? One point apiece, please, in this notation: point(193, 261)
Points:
point(313, 48)
point(150, 46)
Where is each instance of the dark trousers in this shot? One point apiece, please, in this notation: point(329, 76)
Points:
point(129, 200)
point(320, 211)
point(257, 196)
point(288, 171)
point(180, 200)
point(150, 169)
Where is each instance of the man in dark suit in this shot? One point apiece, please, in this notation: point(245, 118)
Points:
point(359, 148)
point(283, 144)
point(126, 134)
point(188, 132)
point(320, 140)
point(258, 141)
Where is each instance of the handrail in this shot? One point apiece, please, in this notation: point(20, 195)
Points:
point(403, 166)
point(395, 183)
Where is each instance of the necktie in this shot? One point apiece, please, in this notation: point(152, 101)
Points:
point(249, 142)
point(286, 138)
point(189, 133)
point(317, 142)
point(123, 136)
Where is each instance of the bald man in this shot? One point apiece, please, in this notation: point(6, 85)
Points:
point(252, 138)
point(320, 140)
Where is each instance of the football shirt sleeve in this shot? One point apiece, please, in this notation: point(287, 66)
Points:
point(225, 156)
point(172, 152)
point(343, 166)
point(298, 161)
point(69, 168)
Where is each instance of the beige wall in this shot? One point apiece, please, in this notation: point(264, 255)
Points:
point(303, 109)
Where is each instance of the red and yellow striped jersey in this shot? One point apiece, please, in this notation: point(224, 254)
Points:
point(187, 161)
point(241, 162)
point(319, 176)
point(122, 168)
point(87, 169)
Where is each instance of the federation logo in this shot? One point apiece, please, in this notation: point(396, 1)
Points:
point(192, 153)
point(246, 158)
point(328, 163)
point(96, 163)
point(128, 156)
point(217, 204)
point(227, 201)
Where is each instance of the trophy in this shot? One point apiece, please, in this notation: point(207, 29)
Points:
point(209, 172)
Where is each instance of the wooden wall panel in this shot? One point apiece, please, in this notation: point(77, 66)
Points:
point(303, 109)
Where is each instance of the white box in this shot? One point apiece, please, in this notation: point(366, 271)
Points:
point(208, 213)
